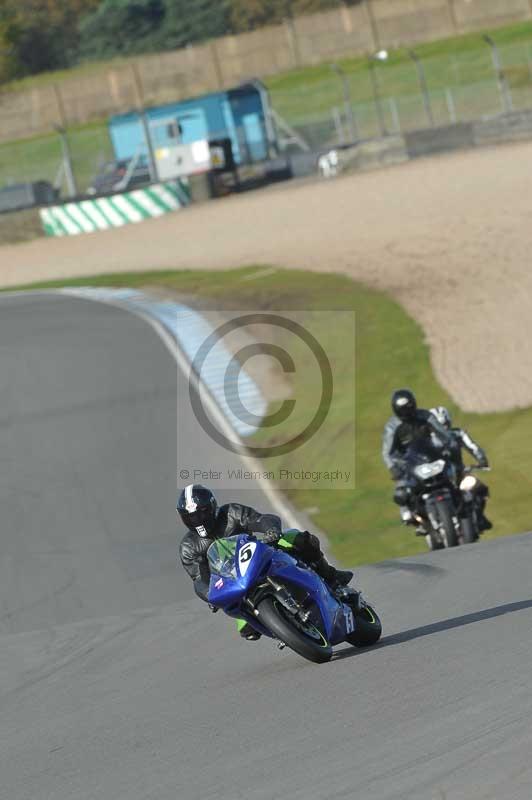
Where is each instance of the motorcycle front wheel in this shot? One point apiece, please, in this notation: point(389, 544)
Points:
point(305, 639)
point(447, 524)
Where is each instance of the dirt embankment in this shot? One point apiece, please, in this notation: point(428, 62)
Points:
point(449, 237)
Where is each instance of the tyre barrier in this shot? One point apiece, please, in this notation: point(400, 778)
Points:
point(114, 211)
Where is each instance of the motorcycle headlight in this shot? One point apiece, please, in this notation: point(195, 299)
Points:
point(468, 483)
point(425, 471)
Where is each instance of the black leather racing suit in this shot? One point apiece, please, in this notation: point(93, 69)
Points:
point(397, 438)
point(400, 434)
point(233, 519)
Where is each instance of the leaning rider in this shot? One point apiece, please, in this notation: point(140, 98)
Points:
point(199, 512)
point(408, 424)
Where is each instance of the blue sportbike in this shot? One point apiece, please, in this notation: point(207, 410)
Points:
point(285, 599)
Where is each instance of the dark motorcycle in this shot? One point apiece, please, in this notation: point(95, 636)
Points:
point(444, 511)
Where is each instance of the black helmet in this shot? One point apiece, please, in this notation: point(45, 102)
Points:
point(404, 404)
point(197, 508)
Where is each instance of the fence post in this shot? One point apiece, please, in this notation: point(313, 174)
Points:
point(337, 119)
point(395, 114)
point(60, 106)
point(139, 95)
point(114, 88)
point(452, 15)
point(423, 84)
point(67, 162)
point(216, 64)
point(451, 108)
point(291, 30)
point(373, 25)
point(348, 105)
point(376, 96)
point(506, 95)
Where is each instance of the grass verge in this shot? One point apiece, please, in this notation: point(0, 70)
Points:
point(362, 524)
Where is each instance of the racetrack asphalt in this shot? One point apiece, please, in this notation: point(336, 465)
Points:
point(116, 683)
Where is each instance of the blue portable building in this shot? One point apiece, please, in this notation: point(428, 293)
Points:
point(242, 114)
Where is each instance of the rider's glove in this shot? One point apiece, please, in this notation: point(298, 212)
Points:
point(271, 537)
point(396, 471)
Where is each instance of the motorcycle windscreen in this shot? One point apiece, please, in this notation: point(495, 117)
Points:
point(233, 569)
point(221, 556)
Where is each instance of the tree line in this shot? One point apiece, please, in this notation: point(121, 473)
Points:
point(42, 35)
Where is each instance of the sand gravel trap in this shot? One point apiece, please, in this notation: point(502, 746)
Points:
point(449, 237)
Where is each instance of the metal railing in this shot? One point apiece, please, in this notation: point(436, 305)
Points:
point(393, 94)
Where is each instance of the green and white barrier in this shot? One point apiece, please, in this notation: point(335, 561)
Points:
point(86, 216)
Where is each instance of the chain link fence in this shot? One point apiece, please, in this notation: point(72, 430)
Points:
point(44, 159)
point(400, 93)
point(330, 105)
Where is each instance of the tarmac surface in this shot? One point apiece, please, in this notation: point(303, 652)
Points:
point(117, 683)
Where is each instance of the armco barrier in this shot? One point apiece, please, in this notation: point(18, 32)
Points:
point(373, 154)
point(506, 128)
point(511, 127)
point(99, 214)
point(429, 141)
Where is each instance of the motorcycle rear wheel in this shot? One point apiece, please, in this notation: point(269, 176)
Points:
point(312, 645)
point(468, 530)
point(368, 628)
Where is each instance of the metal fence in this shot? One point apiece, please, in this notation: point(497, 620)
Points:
point(43, 158)
point(337, 104)
point(391, 94)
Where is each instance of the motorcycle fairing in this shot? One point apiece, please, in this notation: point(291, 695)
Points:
point(250, 562)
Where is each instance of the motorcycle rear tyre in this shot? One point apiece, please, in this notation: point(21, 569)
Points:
point(368, 628)
point(468, 530)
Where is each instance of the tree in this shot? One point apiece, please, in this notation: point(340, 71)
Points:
point(39, 34)
point(247, 15)
point(186, 22)
point(120, 27)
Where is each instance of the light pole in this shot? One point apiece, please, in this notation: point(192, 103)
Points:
point(346, 89)
point(423, 84)
point(504, 90)
point(381, 55)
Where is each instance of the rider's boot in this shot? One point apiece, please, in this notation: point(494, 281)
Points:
point(349, 596)
point(249, 633)
point(333, 577)
point(484, 523)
